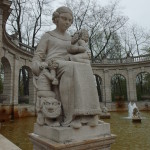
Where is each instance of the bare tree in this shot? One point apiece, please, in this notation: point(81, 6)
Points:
point(135, 40)
point(26, 19)
point(101, 22)
point(16, 20)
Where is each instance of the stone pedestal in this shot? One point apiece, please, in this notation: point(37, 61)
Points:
point(105, 116)
point(67, 138)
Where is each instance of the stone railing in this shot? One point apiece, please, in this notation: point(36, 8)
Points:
point(141, 58)
point(26, 48)
point(133, 59)
point(22, 46)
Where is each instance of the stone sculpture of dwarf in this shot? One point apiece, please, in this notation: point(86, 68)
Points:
point(48, 108)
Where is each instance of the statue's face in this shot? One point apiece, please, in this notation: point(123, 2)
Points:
point(85, 36)
point(64, 21)
point(51, 108)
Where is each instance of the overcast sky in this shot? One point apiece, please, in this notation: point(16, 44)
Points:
point(138, 11)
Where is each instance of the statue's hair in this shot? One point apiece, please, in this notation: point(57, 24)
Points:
point(60, 10)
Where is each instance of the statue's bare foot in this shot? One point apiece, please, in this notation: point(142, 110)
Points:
point(93, 121)
point(76, 124)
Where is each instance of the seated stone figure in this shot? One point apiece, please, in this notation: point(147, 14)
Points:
point(76, 87)
point(79, 48)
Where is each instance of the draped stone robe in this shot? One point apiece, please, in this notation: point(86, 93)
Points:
point(77, 89)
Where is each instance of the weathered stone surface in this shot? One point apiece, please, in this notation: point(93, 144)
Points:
point(68, 134)
point(5, 144)
point(98, 143)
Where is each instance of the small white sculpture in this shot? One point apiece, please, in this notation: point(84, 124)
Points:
point(136, 113)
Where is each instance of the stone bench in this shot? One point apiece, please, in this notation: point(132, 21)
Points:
point(5, 144)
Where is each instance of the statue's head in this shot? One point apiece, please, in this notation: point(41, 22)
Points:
point(84, 35)
point(59, 11)
point(51, 108)
point(81, 34)
point(52, 64)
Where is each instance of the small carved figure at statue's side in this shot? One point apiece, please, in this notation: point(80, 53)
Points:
point(79, 47)
point(48, 108)
point(53, 65)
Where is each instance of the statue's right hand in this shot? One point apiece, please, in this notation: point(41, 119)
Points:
point(43, 65)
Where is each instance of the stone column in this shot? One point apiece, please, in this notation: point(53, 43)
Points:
point(1, 20)
point(16, 67)
point(131, 86)
point(32, 91)
point(107, 87)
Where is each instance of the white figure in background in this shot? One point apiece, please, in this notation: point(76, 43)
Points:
point(130, 110)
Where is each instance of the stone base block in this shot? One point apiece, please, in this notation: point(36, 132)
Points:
point(98, 143)
point(138, 120)
point(67, 138)
point(68, 134)
point(5, 144)
point(105, 116)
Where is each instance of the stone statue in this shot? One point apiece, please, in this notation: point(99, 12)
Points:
point(79, 47)
point(104, 110)
point(76, 92)
point(104, 114)
point(48, 108)
point(136, 113)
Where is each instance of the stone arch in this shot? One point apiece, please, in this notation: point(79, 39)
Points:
point(25, 96)
point(7, 84)
point(139, 70)
point(118, 87)
point(99, 86)
point(122, 73)
point(143, 86)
